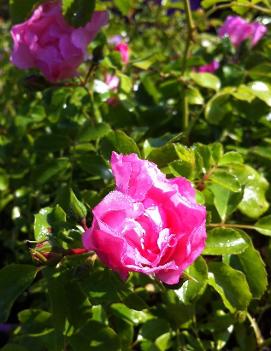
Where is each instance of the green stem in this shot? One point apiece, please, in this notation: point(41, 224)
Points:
point(230, 225)
point(256, 329)
point(190, 32)
point(246, 5)
point(185, 112)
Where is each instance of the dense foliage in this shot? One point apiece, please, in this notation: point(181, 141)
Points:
point(56, 140)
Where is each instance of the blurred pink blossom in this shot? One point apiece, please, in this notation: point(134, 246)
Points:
point(47, 42)
point(209, 67)
point(238, 30)
point(149, 224)
point(123, 49)
point(112, 81)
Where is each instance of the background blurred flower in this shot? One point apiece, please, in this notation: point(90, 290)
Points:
point(123, 49)
point(209, 67)
point(47, 42)
point(238, 30)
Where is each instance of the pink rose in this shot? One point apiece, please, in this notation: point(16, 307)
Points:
point(209, 67)
point(238, 30)
point(149, 224)
point(47, 42)
point(123, 49)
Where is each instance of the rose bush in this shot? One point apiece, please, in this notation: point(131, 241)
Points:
point(212, 128)
point(47, 42)
point(149, 224)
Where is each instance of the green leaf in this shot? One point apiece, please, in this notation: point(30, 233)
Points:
point(120, 142)
point(95, 336)
point(224, 241)
point(194, 96)
point(154, 328)
point(70, 308)
point(89, 132)
point(194, 287)
point(123, 5)
point(78, 12)
point(49, 169)
point(14, 279)
point(251, 263)
point(206, 80)
point(4, 181)
point(230, 157)
point(128, 314)
point(230, 284)
point(225, 201)
point(263, 225)
point(262, 91)
point(254, 202)
point(20, 10)
point(225, 180)
point(46, 219)
point(218, 107)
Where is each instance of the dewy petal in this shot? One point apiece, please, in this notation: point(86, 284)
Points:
point(112, 211)
point(134, 176)
point(155, 223)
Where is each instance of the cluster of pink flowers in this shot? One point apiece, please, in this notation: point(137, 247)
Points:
point(47, 42)
point(149, 224)
point(238, 30)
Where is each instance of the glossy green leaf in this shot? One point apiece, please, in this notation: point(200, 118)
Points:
point(95, 336)
point(225, 180)
point(194, 286)
point(230, 157)
point(206, 80)
point(120, 142)
point(230, 284)
point(46, 220)
point(254, 202)
point(252, 264)
point(48, 170)
point(123, 5)
point(262, 91)
point(128, 314)
point(14, 279)
point(263, 225)
point(78, 12)
point(224, 241)
point(20, 10)
point(217, 108)
point(90, 132)
point(225, 201)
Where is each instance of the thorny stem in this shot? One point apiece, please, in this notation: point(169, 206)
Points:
point(239, 4)
point(256, 329)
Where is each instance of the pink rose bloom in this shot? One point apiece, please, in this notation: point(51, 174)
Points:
point(47, 42)
point(209, 67)
point(149, 224)
point(123, 49)
point(238, 30)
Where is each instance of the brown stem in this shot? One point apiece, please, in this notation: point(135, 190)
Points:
point(230, 225)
